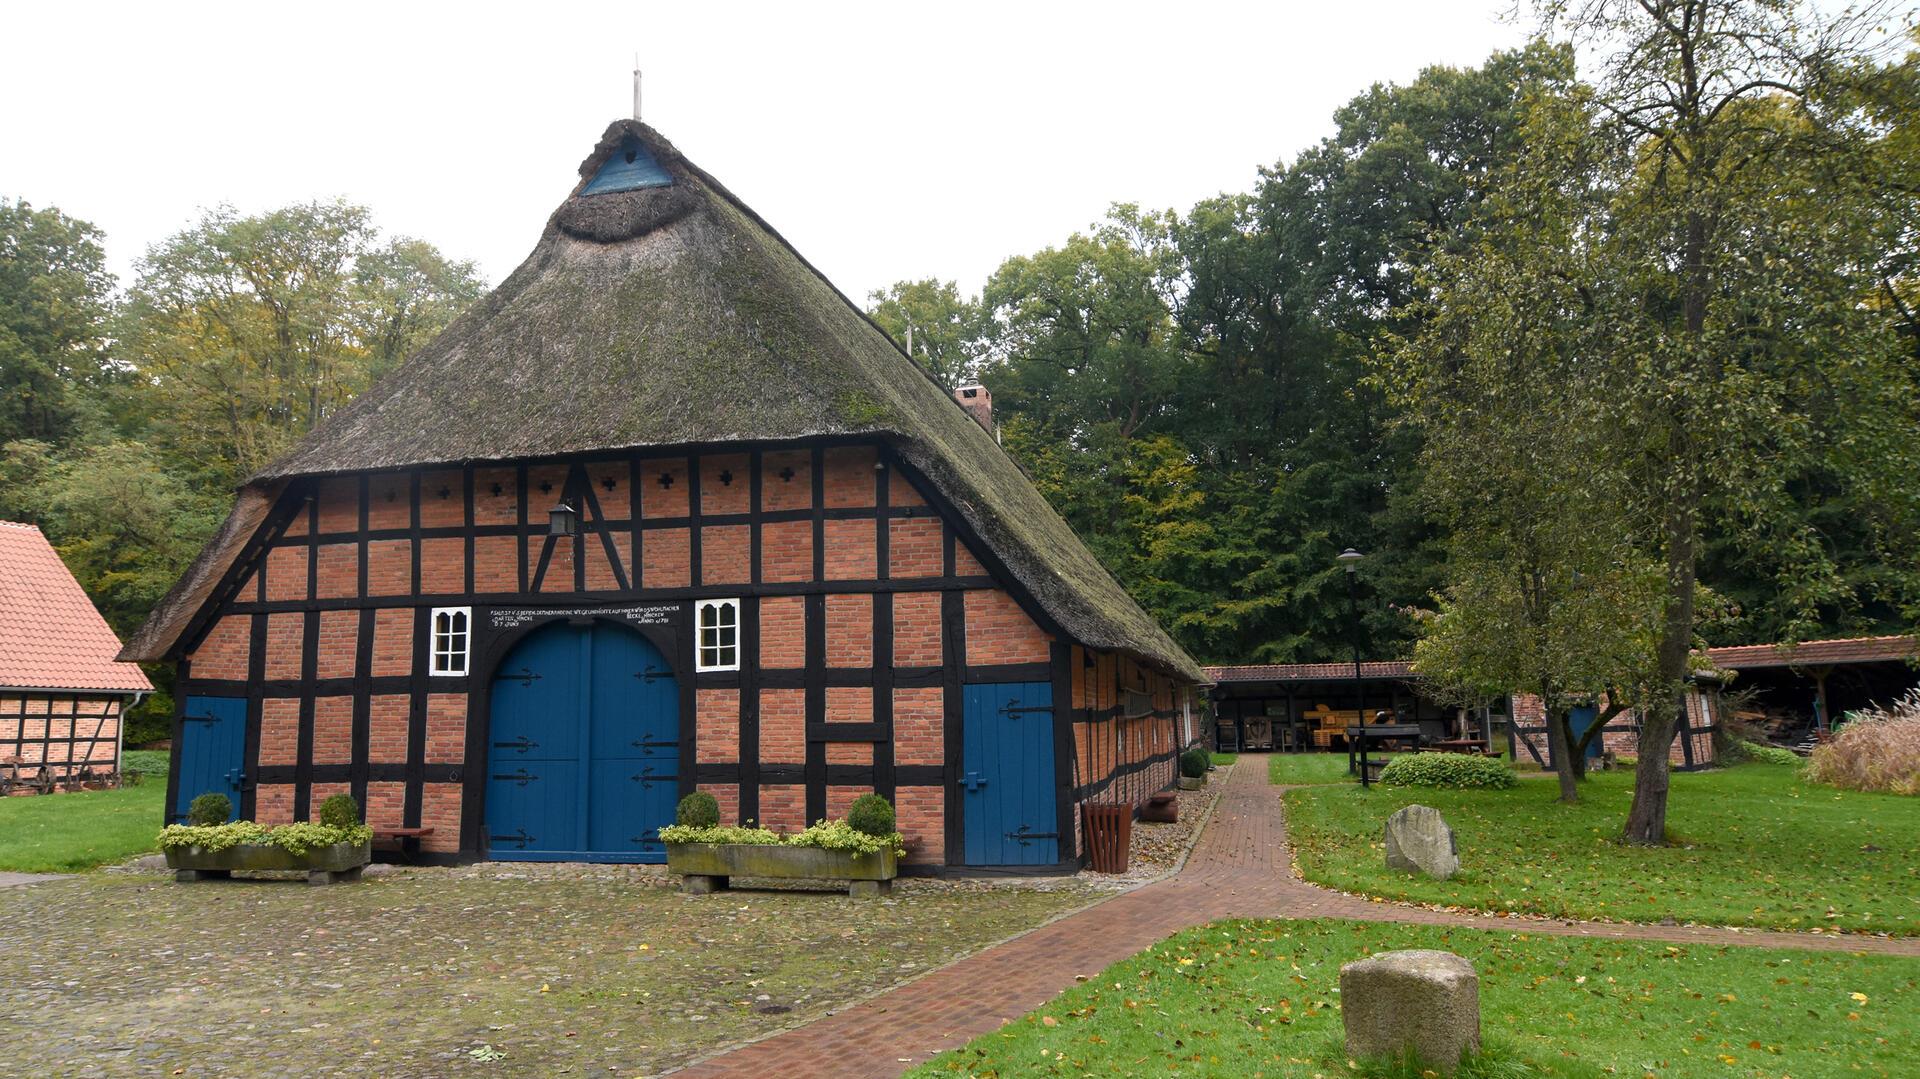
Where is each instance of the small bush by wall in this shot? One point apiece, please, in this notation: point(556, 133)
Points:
point(1447, 770)
point(872, 815)
point(1877, 750)
point(209, 809)
point(340, 811)
point(698, 810)
point(1766, 754)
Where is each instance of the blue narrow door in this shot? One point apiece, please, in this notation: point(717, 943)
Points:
point(583, 753)
point(1007, 781)
point(213, 751)
point(636, 745)
point(533, 754)
point(1579, 719)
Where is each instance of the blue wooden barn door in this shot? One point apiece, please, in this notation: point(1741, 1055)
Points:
point(1007, 781)
point(583, 747)
point(213, 751)
point(636, 746)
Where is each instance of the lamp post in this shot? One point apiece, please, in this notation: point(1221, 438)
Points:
point(1349, 560)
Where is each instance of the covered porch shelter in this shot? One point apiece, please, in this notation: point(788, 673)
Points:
point(1310, 708)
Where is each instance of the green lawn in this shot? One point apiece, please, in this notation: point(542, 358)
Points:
point(1223, 759)
point(52, 833)
point(1753, 845)
point(1259, 998)
point(1284, 768)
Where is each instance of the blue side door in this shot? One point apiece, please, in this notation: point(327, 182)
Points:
point(213, 751)
point(1007, 782)
point(1579, 718)
point(583, 747)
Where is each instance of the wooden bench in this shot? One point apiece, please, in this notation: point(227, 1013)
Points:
point(407, 840)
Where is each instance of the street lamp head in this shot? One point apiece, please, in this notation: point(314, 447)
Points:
point(1348, 558)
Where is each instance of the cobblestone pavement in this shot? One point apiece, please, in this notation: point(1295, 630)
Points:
point(565, 970)
point(1242, 867)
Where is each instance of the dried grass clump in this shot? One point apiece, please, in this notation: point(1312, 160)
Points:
point(1877, 750)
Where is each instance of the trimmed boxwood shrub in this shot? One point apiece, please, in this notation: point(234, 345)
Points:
point(340, 811)
point(698, 810)
point(1447, 770)
point(872, 815)
point(1195, 762)
point(209, 809)
point(1766, 754)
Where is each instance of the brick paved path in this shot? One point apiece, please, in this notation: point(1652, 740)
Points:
point(1241, 867)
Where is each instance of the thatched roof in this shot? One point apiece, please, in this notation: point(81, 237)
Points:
point(673, 315)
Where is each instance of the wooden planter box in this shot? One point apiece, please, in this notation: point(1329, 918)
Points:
point(708, 867)
point(324, 865)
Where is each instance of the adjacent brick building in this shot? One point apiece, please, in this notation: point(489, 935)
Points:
point(664, 512)
point(62, 694)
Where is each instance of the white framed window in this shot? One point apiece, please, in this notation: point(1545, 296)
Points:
point(452, 641)
point(717, 622)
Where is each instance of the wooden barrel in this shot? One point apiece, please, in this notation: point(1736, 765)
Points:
point(1109, 834)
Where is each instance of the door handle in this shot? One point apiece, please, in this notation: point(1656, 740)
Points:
point(973, 781)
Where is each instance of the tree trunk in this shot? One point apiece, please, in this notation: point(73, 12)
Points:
point(1647, 819)
point(1559, 746)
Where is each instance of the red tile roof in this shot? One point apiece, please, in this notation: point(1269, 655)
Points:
point(1813, 653)
point(51, 637)
point(1309, 672)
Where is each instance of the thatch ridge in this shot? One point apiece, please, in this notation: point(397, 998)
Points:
point(675, 316)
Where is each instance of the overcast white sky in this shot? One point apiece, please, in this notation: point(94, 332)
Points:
point(886, 141)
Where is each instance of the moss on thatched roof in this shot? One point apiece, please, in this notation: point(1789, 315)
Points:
point(673, 315)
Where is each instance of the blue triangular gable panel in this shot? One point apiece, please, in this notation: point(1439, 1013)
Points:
point(629, 168)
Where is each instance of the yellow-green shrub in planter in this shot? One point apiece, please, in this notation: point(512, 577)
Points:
point(332, 849)
point(708, 856)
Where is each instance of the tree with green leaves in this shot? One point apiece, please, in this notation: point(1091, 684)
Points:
point(935, 325)
point(1548, 591)
point(1719, 230)
point(55, 301)
point(250, 330)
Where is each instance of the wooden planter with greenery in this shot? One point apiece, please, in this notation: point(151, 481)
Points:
point(208, 847)
point(709, 867)
point(863, 850)
point(322, 865)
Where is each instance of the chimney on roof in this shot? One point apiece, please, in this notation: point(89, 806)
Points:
point(979, 404)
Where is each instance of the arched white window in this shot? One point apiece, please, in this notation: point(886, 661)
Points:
point(451, 640)
point(718, 645)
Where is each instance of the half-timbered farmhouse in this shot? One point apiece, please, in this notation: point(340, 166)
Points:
point(62, 694)
point(664, 512)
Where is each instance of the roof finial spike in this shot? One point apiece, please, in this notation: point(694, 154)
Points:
point(636, 86)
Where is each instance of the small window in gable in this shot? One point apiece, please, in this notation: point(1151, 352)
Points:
point(718, 623)
point(452, 639)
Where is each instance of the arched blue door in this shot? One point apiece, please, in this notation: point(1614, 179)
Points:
point(583, 748)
